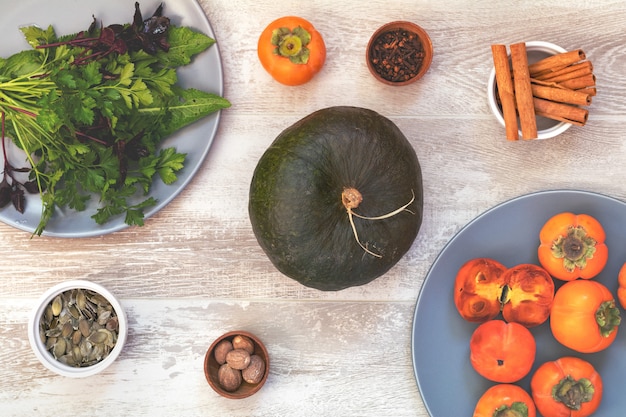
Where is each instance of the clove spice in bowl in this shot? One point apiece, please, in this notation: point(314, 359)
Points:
point(399, 53)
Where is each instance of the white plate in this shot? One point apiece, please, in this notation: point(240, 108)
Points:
point(508, 233)
point(204, 73)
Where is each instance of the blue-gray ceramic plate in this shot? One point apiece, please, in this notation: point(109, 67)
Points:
point(204, 73)
point(508, 233)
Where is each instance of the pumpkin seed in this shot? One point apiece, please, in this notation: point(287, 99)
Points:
point(85, 347)
point(103, 315)
point(74, 311)
point(97, 338)
point(76, 337)
point(67, 329)
point(54, 332)
point(77, 355)
point(81, 300)
point(50, 342)
point(79, 327)
point(57, 305)
point(59, 348)
point(112, 324)
point(47, 314)
point(84, 327)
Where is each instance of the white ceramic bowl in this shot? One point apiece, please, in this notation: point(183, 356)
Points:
point(47, 359)
point(546, 128)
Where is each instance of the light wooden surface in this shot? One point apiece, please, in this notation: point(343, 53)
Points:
point(195, 270)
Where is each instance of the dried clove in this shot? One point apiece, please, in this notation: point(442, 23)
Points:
point(397, 55)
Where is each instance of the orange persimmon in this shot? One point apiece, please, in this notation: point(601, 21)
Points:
point(528, 299)
point(505, 400)
point(621, 289)
point(502, 352)
point(572, 246)
point(566, 387)
point(478, 288)
point(484, 287)
point(291, 50)
point(584, 316)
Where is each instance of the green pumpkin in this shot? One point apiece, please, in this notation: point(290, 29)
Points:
point(315, 184)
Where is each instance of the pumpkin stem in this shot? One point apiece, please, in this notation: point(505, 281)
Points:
point(390, 214)
point(356, 235)
point(351, 198)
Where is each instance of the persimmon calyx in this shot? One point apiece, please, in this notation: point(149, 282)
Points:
point(607, 317)
point(517, 409)
point(575, 248)
point(573, 393)
point(292, 44)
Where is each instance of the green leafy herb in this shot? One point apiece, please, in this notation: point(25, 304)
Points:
point(90, 111)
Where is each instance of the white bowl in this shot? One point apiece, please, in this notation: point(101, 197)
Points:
point(546, 128)
point(47, 359)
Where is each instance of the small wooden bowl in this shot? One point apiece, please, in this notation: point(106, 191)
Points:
point(412, 75)
point(211, 367)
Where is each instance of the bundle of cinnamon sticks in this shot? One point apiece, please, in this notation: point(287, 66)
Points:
point(558, 87)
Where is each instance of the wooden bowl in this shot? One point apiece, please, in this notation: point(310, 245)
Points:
point(410, 68)
point(211, 366)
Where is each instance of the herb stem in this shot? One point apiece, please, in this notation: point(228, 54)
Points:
point(93, 138)
point(4, 148)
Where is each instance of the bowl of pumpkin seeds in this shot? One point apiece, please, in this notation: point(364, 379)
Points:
point(77, 329)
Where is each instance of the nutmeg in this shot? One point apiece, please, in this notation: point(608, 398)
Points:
point(243, 342)
point(255, 371)
point(238, 359)
point(221, 350)
point(229, 378)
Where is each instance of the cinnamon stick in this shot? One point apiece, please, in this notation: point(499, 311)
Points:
point(556, 62)
point(589, 90)
point(576, 73)
point(561, 112)
point(523, 91)
point(585, 81)
point(578, 67)
point(504, 83)
point(561, 95)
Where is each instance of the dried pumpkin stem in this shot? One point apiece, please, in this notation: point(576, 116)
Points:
point(351, 198)
point(390, 214)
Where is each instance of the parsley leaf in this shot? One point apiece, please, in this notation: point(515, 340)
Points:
point(184, 44)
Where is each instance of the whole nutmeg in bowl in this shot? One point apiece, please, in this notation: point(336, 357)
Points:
point(77, 329)
point(399, 53)
point(236, 365)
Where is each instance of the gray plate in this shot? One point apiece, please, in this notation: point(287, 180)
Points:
point(205, 73)
point(508, 233)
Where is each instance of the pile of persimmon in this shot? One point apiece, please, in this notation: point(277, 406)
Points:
point(582, 313)
point(584, 316)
